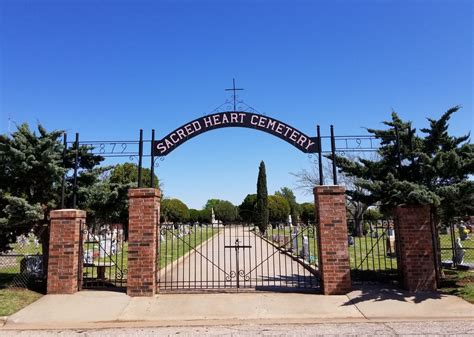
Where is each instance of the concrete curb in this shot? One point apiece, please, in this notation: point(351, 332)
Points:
point(214, 322)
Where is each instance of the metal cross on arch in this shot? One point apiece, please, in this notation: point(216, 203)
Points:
point(234, 89)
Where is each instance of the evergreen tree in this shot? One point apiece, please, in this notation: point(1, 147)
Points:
point(31, 172)
point(433, 169)
point(262, 199)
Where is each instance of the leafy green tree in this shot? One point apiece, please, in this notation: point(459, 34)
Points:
point(431, 169)
point(224, 210)
point(173, 210)
point(307, 212)
point(372, 214)
point(194, 215)
point(262, 199)
point(278, 208)
point(205, 216)
point(288, 194)
point(247, 209)
point(127, 173)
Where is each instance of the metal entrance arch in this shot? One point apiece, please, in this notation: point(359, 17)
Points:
point(237, 257)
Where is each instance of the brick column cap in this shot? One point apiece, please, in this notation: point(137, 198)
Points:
point(67, 214)
point(144, 193)
point(329, 189)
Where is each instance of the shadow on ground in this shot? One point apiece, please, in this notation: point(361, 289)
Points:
point(382, 293)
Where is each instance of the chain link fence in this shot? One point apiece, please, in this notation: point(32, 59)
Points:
point(21, 266)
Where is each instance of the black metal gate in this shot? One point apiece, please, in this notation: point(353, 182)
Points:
point(373, 253)
point(103, 257)
point(456, 246)
point(237, 257)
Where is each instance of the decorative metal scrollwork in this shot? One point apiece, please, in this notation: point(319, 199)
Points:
point(120, 274)
point(245, 276)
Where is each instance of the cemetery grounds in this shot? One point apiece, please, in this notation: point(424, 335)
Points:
point(19, 289)
point(16, 289)
point(368, 259)
point(458, 282)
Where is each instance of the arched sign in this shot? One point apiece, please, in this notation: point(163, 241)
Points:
point(270, 125)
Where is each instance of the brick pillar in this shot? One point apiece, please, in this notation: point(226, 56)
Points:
point(333, 250)
point(63, 260)
point(416, 253)
point(144, 216)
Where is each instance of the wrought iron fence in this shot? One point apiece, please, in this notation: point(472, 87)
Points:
point(373, 252)
point(103, 257)
point(221, 256)
point(456, 245)
point(21, 266)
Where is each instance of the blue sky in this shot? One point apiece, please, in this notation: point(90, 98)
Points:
point(106, 69)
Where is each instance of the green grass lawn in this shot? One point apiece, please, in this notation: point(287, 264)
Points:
point(7, 274)
point(459, 283)
point(171, 249)
point(446, 250)
point(14, 299)
point(367, 254)
point(305, 231)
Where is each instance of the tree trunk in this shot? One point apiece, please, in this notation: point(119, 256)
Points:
point(358, 227)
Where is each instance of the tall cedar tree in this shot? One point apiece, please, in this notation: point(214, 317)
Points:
point(431, 169)
point(262, 199)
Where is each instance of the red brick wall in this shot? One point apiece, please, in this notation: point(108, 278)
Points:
point(333, 251)
point(416, 256)
point(144, 215)
point(63, 261)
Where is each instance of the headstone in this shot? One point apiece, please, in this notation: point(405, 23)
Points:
point(105, 246)
point(32, 265)
point(305, 249)
point(350, 240)
point(88, 257)
point(458, 257)
point(373, 231)
point(294, 240)
point(391, 251)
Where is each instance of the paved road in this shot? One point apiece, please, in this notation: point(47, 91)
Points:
point(415, 328)
point(260, 265)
